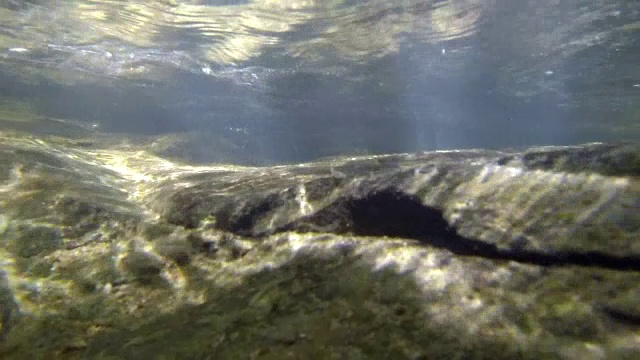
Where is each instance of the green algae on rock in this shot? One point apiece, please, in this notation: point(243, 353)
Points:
point(114, 253)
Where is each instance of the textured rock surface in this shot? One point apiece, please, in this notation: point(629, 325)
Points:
point(539, 200)
point(525, 254)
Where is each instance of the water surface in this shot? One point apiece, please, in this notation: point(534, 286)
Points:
point(267, 81)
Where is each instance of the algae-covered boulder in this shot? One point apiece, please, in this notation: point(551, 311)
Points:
point(113, 253)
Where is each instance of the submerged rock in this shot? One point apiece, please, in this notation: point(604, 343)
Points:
point(500, 202)
point(515, 254)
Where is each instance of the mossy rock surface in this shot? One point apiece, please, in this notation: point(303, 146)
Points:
point(112, 253)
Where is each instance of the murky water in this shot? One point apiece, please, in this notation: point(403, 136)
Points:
point(268, 81)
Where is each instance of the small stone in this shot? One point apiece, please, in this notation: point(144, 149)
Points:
point(107, 288)
point(4, 223)
point(36, 240)
point(174, 248)
point(141, 264)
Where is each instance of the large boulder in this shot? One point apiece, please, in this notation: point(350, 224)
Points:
point(114, 253)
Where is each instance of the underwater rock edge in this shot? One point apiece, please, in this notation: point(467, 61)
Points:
point(536, 201)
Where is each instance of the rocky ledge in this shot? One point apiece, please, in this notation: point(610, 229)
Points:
point(113, 253)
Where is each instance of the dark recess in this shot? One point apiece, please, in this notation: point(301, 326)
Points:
point(392, 213)
point(620, 315)
point(396, 214)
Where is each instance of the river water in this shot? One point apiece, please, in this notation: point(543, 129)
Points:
point(264, 81)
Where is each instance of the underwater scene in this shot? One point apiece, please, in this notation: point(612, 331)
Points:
point(320, 179)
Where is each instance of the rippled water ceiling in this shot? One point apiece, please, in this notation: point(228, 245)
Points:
point(316, 78)
point(226, 32)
